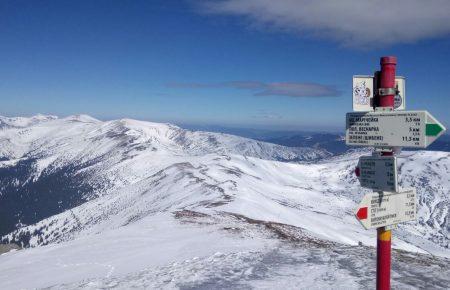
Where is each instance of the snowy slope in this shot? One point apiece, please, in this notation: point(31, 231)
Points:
point(317, 197)
point(141, 175)
point(79, 158)
point(82, 136)
point(188, 250)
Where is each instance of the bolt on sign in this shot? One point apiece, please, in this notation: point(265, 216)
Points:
point(378, 172)
point(380, 209)
point(414, 129)
point(363, 93)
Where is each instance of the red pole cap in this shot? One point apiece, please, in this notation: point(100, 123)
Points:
point(388, 60)
point(387, 81)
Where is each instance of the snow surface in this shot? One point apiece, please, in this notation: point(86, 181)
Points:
point(209, 252)
point(127, 234)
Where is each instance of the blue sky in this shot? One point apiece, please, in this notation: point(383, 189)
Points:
point(263, 64)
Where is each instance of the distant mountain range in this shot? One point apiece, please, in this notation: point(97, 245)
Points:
point(330, 141)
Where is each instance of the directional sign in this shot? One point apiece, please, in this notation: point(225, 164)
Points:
point(378, 172)
point(415, 129)
point(363, 93)
point(386, 208)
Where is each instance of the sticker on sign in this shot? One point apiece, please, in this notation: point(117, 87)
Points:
point(378, 172)
point(415, 129)
point(363, 93)
point(380, 209)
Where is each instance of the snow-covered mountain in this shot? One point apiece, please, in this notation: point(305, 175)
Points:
point(109, 190)
point(48, 165)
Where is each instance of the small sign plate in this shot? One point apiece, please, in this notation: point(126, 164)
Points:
point(378, 172)
point(387, 208)
point(363, 93)
point(414, 129)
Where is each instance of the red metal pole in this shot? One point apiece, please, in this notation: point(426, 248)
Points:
point(383, 259)
point(387, 80)
point(385, 99)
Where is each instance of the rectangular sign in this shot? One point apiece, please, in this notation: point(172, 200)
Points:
point(387, 208)
point(363, 93)
point(415, 129)
point(378, 172)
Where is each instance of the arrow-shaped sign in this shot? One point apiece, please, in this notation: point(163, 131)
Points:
point(380, 209)
point(416, 129)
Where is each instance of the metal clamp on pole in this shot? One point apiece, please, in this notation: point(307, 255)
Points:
point(387, 91)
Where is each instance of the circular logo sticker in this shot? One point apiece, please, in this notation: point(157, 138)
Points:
point(398, 100)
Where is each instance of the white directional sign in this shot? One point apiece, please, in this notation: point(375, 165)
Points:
point(363, 93)
point(386, 208)
point(416, 129)
point(378, 172)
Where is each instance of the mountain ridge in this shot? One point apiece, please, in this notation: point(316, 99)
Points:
point(127, 203)
point(80, 152)
point(116, 158)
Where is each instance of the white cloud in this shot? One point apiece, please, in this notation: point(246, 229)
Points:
point(356, 23)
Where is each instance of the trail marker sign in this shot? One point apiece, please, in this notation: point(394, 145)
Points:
point(380, 209)
point(414, 129)
point(363, 93)
point(378, 172)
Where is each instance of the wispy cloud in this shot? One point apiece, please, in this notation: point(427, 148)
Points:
point(265, 115)
point(356, 23)
point(290, 89)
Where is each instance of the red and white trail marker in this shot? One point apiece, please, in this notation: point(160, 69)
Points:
point(380, 209)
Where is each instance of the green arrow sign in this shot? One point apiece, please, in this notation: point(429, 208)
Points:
point(433, 129)
point(415, 129)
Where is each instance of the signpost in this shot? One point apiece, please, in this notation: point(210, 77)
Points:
point(379, 121)
point(378, 172)
point(414, 129)
point(386, 208)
